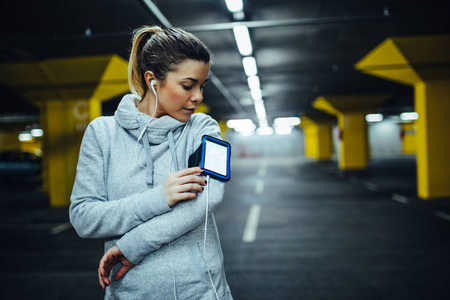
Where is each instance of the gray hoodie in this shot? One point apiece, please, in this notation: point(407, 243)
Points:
point(118, 196)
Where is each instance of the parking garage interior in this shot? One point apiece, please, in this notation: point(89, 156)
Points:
point(340, 173)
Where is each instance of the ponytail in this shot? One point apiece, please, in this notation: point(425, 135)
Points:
point(136, 79)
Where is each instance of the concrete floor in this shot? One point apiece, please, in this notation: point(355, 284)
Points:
point(321, 234)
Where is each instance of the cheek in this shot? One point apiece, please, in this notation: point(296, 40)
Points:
point(175, 96)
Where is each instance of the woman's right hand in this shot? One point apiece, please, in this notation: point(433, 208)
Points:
point(183, 185)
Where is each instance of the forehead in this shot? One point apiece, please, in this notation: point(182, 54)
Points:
point(191, 69)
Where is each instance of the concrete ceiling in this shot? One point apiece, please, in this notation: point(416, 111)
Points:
point(303, 49)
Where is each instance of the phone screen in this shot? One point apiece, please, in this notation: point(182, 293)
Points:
point(216, 158)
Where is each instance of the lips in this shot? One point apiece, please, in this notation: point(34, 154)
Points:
point(191, 110)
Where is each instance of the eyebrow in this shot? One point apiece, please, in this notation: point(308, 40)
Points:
point(195, 80)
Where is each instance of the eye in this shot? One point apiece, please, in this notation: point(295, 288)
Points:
point(187, 88)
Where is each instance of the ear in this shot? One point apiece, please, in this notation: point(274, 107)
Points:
point(149, 76)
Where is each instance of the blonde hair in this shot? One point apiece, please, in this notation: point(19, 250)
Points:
point(161, 51)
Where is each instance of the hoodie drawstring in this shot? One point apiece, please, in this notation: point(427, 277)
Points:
point(147, 149)
point(172, 150)
point(149, 169)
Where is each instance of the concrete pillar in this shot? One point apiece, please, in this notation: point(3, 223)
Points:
point(350, 111)
point(408, 136)
point(354, 145)
point(318, 137)
point(69, 93)
point(433, 138)
point(423, 63)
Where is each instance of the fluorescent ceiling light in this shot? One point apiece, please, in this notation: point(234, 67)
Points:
point(24, 137)
point(242, 125)
point(263, 123)
point(256, 94)
point(234, 5)
point(245, 128)
point(239, 122)
point(243, 41)
point(374, 118)
point(283, 129)
point(37, 132)
point(250, 66)
point(239, 16)
point(409, 116)
point(253, 82)
point(291, 121)
point(264, 131)
point(260, 109)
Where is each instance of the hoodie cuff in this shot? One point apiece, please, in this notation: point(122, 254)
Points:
point(133, 247)
point(153, 204)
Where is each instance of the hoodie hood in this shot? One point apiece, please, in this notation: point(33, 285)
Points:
point(152, 131)
point(129, 117)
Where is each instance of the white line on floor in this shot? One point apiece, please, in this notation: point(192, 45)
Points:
point(251, 227)
point(399, 198)
point(371, 186)
point(60, 228)
point(259, 187)
point(443, 215)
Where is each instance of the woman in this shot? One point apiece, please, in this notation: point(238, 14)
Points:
point(133, 187)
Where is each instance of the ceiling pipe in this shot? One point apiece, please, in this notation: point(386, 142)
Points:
point(303, 22)
point(222, 89)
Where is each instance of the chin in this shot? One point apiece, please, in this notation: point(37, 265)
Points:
point(182, 118)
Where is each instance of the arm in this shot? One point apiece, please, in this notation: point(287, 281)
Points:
point(184, 217)
point(91, 214)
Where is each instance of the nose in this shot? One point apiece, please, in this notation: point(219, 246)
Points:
point(197, 96)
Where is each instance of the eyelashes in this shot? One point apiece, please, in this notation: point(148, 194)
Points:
point(188, 88)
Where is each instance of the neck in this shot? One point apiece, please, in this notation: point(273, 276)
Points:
point(147, 105)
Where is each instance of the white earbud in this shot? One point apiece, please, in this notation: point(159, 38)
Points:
point(152, 84)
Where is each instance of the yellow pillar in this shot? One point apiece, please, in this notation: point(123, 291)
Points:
point(408, 136)
point(223, 127)
point(351, 111)
point(422, 62)
point(9, 140)
point(354, 148)
point(318, 138)
point(69, 93)
point(433, 138)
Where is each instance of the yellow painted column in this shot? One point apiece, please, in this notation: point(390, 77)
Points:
point(64, 123)
point(318, 139)
point(409, 141)
point(351, 111)
point(9, 140)
point(354, 149)
point(69, 93)
point(311, 142)
point(432, 101)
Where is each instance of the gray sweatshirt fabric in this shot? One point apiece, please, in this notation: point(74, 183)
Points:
point(118, 197)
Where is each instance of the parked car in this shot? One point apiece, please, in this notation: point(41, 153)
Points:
point(20, 167)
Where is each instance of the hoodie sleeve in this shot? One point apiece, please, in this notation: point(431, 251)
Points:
point(184, 217)
point(91, 214)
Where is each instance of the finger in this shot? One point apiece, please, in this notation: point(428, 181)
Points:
point(191, 179)
point(185, 196)
point(100, 280)
point(119, 274)
point(103, 276)
point(190, 187)
point(189, 171)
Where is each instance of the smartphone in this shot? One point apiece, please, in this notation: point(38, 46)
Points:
point(213, 156)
